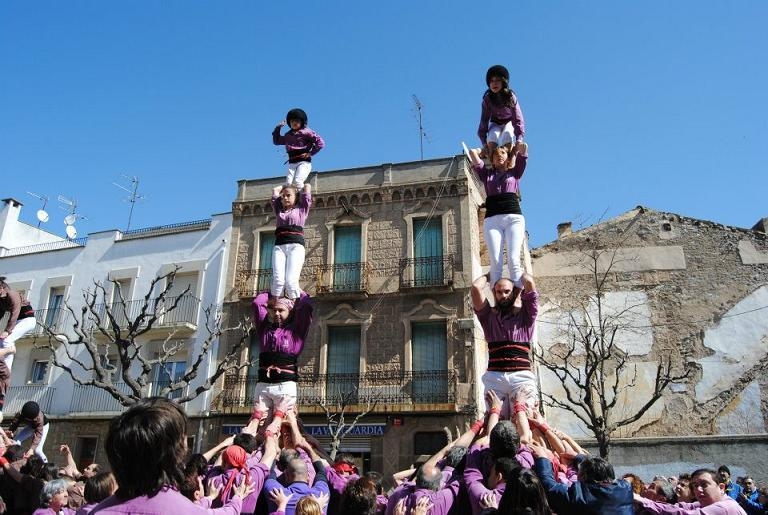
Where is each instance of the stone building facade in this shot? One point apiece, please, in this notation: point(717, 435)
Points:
point(392, 320)
point(694, 292)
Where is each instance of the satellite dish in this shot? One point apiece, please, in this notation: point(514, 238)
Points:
point(70, 219)
point(42, 215)
point(71, 232)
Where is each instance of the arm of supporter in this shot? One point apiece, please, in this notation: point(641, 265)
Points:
point(317, 143)
point(71, 467)
point(37, 426)
point(232, 507)
point(530, 298)
point(277, 138)
point(443, 498)
point(260, 309)
point(479, 302)
point(277, 203)
point(477, 163)
point(305, 197)
point(10, 471)
point(681, 508)
point(556, 492)
point(302, 315)
point(520, 163)
point(473, 477)
point(485, 116)
point(520, 419)
point(210, 453)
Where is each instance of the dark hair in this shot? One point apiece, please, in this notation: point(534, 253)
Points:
point(246, 441)
point(455, 457)
point(696, 473)
point(14, 453)
point(30, 410)
point(285, 457)
point(198, 463)
point(504, 440)
point(359, 497)
point(524, 494)
point(597, 470)
point(505, 466)
point(298, 115)
point(3, 284)
point(377, 479)
point(146, 447)
point(722, 468)
point(428, 482)
point(98, 487)
point(190, 485)
point(35, 467)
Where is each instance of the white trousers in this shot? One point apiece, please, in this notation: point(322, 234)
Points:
point(508, 384)
point(27, 432)
point(22, 327)
point(272, 395)
point(298, 173)
point(500, 134)
point(287, 261)
point(504, 229)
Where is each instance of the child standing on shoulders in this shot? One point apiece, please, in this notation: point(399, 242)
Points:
point(501, 120)
point(282, 326)
point(291, 210)
point(21, 321)
point(504, 223)
point(301, 143)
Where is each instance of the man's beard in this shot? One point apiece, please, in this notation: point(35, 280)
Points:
point(505, 306)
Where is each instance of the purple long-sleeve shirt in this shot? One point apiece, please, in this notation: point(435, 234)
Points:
point(442, 499)
point(725, 506)
point(258, 473)
point(500, 115)
point(473, 479)
point(297, 215)
point(509, 327)
point(288, 338)
point(506, 181)
point(301, 139)
point(165, 501)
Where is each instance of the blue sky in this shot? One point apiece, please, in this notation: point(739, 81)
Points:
point(656, 103)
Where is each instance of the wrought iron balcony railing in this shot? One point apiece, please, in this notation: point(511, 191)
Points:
point(18, 395)
point(250, 282)
point(344, 277)
point(90, 399)
point(426, 271)
point(58, 319)
point(185, 312)
point(408, 390)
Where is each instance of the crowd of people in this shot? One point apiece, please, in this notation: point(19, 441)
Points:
point(509, 461)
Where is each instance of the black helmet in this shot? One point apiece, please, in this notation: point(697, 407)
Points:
point(297, 114)
point(497, 70)
point(30, 410)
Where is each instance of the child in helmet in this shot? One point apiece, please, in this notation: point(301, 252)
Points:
point(301, 143)
point(35, 425)
point(501, 120)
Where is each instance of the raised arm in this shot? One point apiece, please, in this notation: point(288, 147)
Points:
point(478, 295)
point(210, 453)
point(278, 139)
point(474, 157)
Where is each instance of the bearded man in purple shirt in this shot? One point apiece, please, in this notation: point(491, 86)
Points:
point(508, 329)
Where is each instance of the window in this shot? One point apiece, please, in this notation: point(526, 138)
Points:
point(264, 273)
point(347, 247)
point(429, 347)
point(167, 373)
point(39, 372)
point(186, 309)
point(86, 450)
point(121, 306)
point(55, 309)
point(343, 369)
point(428, 252)
point(429, 442)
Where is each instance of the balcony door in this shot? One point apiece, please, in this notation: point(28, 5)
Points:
point(429, 348)
point(186, 308)
point(427, 252)
point(264, 273)
point(347, 255)
point(343, 369)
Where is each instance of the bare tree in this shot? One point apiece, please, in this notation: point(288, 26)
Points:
point(336, 414)
point(118, 332)
point(587, 358)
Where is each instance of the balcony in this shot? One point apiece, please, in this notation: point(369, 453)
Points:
point(249, 283)
point(183, 319)
point(93, 400)
point(396, 391)
point(18, 395)
point(434, 272)
point(58, 319)
point(342, 279)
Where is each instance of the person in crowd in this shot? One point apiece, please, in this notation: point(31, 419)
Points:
point(301, 143)
point(146, 449)
point(508, 328)
point(683, 488)
point(638, 486)
point(749, 498)
point(711, 498)
point(660, 490)
point(21, 321)
point(53, 499)
point(732, 489)
point(595, 491)
point(98, 487)
point(297, 478)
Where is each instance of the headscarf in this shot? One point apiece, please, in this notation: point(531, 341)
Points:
point(235, 457)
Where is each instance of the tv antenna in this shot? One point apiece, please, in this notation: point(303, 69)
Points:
point(42, 214)
point(133, 191)
point(422, 133)
point(72, 217)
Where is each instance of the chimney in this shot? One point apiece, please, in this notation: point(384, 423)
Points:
point(564, 229)
point(761, 225)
